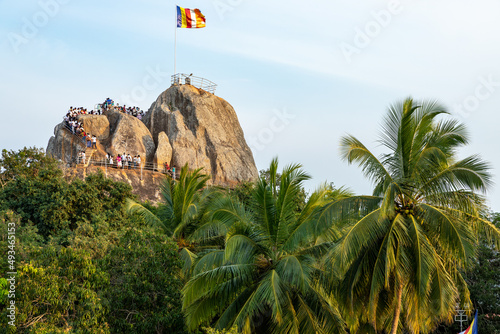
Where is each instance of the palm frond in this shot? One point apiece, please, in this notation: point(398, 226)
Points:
point(264, 208)
point(208, 261)
point(302, 229)
point(241, 248)
point(423, 261)
point(480, 225)
point(273, 176)
point(222, 282)
point(357, 236)
point(385, 263)
point(133, 207)
point(469, 174)
point(296, 271)
point(188, 258)
point(453, 234)
point(290, 187)
point(233, 310)
point(354, 151)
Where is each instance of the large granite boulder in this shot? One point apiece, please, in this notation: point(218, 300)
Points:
point(203, 131)
point(64, 145)
point(96, 125)
point(129, 135)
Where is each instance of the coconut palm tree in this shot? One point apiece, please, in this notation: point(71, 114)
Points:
point(403, 256)
point(266, 279)
point(184, 213)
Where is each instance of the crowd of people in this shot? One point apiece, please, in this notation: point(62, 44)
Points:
point(72, 122)
point(76, 127)
point(124, 161)
point(109, 104)
point(134, 111)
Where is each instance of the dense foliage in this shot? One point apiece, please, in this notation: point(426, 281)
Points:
point(83, 265)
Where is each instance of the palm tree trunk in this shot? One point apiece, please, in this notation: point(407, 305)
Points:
point(397, 311)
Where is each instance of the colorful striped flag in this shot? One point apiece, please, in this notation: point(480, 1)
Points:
point(190, 18)
point(472, 328)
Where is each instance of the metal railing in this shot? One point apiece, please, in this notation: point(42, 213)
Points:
point(149, 166)
point(202, 83)
point(81, 138)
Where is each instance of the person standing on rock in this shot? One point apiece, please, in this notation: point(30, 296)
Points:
point(118, 161)
point(94, 142)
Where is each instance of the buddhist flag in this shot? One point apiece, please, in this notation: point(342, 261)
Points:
point(472, 328)
point(190, 18)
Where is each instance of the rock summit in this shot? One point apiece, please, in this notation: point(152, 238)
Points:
point(185, 125)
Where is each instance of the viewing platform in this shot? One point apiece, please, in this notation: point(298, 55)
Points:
point(104, 164)
point(189, 79)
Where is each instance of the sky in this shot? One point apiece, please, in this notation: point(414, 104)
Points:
point(300, 74)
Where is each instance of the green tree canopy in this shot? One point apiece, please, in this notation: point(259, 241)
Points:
point(25, 162)
point(56, 205)
point(83, 264)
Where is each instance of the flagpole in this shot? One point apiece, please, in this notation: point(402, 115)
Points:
point(175, 43)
